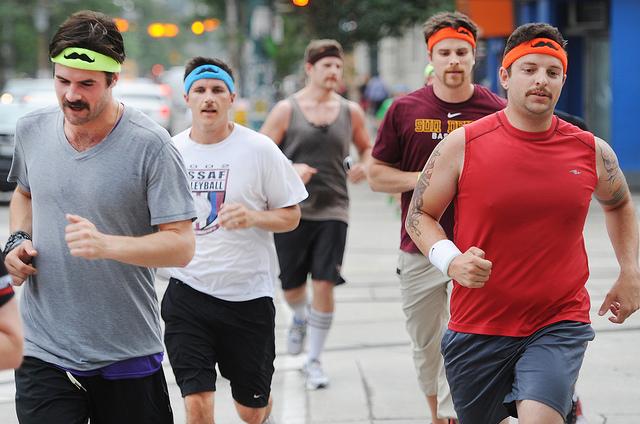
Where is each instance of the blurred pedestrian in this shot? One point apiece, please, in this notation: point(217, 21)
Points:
point(375, 93)
point(429, 74)
point(315, 128)
point(101, 200)
point(11, 337)
point(219, 308)
point(412, 128)
point(519, 307)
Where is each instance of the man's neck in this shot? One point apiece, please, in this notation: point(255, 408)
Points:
point(453, 95)
point(211, 133)
point(86, 135)
point(316, 94)
point(526, 121)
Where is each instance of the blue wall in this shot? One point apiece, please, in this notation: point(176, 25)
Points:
point(625, 82)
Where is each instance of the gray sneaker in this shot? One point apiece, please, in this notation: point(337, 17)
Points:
point(295, 338)
point(316, 378)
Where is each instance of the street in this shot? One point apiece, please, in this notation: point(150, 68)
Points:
point(368, 356)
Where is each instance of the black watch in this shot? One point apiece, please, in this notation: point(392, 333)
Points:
point(14, 240)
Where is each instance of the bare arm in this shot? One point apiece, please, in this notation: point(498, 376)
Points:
point(434, 190)
point(236, 216)
point(18, 261)
point(172, 245)
point(613, 194)
point(11, 339)
point(360, 138)
point(277, 122)
point(20, 211)
point(384, 177)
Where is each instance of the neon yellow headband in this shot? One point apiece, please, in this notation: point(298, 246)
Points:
point(79, 58)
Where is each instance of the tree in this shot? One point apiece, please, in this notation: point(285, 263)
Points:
point(351, 21)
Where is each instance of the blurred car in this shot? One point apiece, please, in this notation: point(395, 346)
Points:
point(39, 91)
point(9, 115)
point(148, 97)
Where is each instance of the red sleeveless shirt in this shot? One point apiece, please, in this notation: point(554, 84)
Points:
point(523, 198)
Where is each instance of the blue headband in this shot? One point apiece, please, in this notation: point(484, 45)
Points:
point(209, 72)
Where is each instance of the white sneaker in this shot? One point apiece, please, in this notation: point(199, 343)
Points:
point(316, 378)
point(295, 338)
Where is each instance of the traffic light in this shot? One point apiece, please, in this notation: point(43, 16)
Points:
point(208, 25)
point(197, 27)
point(300, 3)
point(159, 30)
point(122, 24)
point(211, 24)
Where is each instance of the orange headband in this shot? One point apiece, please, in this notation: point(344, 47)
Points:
point(450, 32)
point(536, 46)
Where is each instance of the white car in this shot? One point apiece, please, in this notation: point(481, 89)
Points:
point(148, 97)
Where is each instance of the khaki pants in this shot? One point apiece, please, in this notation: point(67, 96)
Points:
point(425, 301)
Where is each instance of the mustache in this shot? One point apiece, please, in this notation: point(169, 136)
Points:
point(80, 56)
point(539, 90)
point(78, 104)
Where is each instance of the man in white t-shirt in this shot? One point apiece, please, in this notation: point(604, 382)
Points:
point(219, 308)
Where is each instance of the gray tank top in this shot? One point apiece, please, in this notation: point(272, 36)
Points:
point(324, 148)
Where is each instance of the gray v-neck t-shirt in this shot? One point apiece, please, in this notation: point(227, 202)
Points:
point(85, 314)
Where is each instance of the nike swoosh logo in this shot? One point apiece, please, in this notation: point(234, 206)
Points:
point(257, 396)
point(453, 115)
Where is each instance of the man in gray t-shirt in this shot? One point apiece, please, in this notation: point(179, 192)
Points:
point(103, 194)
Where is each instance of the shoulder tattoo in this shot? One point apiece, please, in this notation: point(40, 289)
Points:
point(616, 184)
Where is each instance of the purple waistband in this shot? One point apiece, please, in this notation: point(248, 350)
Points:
point(139, 367)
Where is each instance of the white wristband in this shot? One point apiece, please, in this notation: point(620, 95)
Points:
point(442, 253)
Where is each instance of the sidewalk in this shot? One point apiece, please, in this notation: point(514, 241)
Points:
point(368, 354)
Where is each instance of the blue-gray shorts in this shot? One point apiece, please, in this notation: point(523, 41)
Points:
point(488, 374)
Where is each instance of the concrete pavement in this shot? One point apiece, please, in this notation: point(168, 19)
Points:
point(368, 354)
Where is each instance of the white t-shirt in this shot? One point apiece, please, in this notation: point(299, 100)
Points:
point(246, 167)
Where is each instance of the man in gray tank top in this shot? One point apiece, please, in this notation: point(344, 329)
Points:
point(102, 199)
point(315, 128)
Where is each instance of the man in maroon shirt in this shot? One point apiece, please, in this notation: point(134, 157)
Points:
point(411, 129)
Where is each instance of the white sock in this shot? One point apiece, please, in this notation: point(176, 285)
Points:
point(300, 310)
point(317, 332)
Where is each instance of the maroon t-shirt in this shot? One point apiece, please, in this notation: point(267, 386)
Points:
point(414, 125)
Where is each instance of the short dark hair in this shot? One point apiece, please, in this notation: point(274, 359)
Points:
point(528, 32)
point(193, 63)
point(454, 20)
point(90, 30)
point(317, 49)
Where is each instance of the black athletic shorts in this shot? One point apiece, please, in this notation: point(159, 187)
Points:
point(489, 374)
point(202, 331)
point(315, 247)
point(47, 395)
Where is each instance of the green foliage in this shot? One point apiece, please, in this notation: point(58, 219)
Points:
point(21, 42)
point(351, 21)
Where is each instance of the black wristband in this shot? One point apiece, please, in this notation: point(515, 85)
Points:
point(14, 240)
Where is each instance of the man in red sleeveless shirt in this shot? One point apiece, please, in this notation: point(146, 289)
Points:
point(411, 129)
point(521, 181)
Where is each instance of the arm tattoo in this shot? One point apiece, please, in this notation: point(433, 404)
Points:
point(611, 166)
point(415, 210)
point(617, 187)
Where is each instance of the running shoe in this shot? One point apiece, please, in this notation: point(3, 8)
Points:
point(295, 338)
point(575, 415)
point(316, 378)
